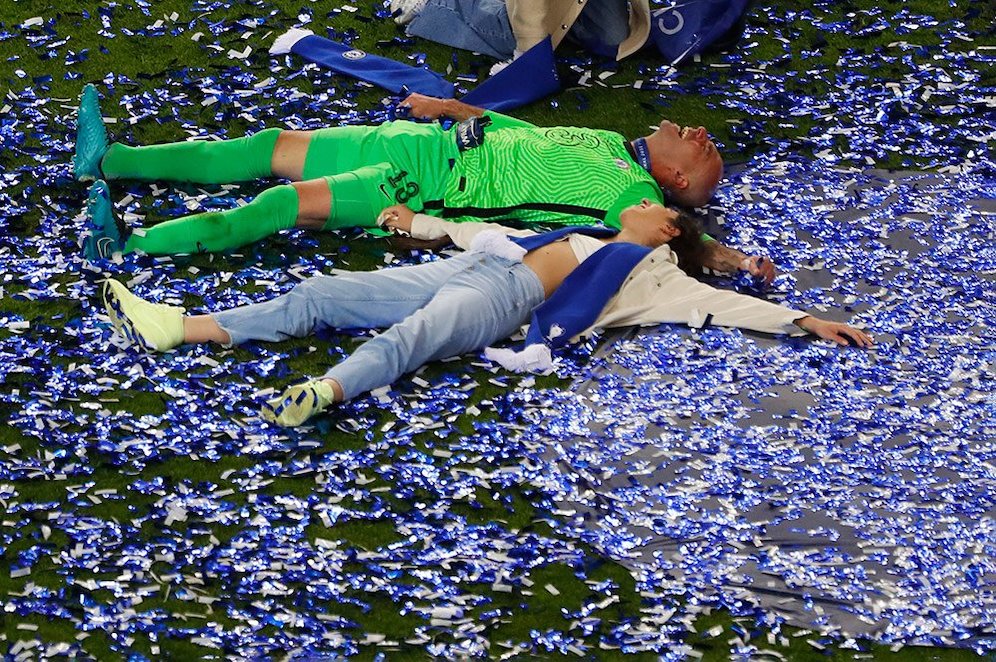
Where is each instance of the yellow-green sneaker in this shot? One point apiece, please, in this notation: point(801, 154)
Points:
point(299, 403)
point(152, 326)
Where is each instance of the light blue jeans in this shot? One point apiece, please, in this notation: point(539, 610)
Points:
point(601, 26)
point(431, 311)
point(483, 26)
point(473, 25)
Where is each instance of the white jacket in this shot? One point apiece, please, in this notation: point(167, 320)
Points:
point(655, 292)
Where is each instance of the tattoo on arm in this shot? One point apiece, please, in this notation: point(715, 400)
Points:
point(722, 258)
point(460, 111)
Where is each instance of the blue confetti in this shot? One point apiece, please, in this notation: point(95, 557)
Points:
point(721, 468)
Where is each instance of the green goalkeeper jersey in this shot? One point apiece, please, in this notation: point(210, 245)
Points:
point(552, 174)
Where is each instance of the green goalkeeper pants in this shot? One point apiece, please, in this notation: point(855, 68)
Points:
point(366, 169)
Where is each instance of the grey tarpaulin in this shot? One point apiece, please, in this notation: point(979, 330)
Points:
point(825, 487)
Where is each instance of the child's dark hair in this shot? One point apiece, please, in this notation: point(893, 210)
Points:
point(689, 245)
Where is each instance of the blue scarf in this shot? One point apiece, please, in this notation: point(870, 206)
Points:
point(579, 300)
point(529, 77)
point(385, 72)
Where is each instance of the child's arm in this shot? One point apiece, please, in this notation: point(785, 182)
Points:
point(402, 220)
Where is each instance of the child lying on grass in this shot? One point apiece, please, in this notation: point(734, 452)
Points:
point(567, 281)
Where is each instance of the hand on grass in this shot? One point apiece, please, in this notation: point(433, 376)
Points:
point(760, 267)
point(842, 334)
point(423, 107)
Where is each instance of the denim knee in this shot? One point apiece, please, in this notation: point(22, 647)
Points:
point(301, 307)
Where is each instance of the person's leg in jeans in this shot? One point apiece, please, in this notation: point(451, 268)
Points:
point(481, 26)
point(601, 26)
point(480, 305)
point(356, 300)
point(487, 299)
point(436, 310)
point(485, 302)
point(360, 300)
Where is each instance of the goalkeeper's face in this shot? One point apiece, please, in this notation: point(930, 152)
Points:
point(685, 162)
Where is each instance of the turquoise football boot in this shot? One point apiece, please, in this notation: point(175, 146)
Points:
point(106, 236)
point(91, 137)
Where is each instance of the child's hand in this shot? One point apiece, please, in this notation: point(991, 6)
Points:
point(842, 334)
point(397, 219)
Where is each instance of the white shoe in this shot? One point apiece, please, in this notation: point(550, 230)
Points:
point(499, 66)
point(404, 11)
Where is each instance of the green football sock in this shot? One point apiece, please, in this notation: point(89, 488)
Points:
point(198, 161)
point(274, 209)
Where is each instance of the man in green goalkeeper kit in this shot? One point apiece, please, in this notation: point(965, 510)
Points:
point(487, 166)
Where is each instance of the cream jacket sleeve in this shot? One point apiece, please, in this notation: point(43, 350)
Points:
point(462, 234)
point(658, 291)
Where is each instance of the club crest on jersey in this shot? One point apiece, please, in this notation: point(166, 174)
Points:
point(354, 54)
point(571, 137)
point(622, 164)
